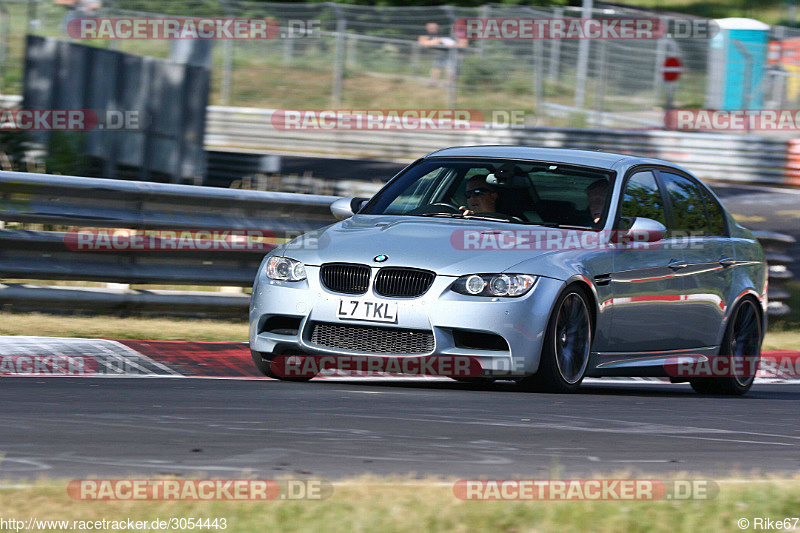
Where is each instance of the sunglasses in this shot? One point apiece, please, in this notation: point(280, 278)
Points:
point(477, 192)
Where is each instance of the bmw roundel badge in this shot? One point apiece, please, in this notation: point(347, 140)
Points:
point(381, 258)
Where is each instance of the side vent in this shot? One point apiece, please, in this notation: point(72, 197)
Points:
point(602, 280)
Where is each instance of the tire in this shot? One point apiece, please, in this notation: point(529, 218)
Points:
point(265, 367)
point(742, 337)
point(566, 348)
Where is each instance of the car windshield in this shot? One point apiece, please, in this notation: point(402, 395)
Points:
point(522, 192)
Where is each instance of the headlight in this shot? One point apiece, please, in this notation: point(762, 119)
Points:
point(285, 269)
point(494, 284)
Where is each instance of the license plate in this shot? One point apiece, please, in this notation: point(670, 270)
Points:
point(367, 310)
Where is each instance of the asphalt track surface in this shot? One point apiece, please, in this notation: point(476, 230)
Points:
point(163, 425)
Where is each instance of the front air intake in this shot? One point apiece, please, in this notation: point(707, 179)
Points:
point(346, 278)
point(403, 282)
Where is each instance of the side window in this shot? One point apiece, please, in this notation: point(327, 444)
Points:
point(687, 205)
point(716, 218)
point(642, 198)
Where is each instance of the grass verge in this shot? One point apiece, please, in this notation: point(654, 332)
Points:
point(400, 504)
point(782, 340)
point(110, 327)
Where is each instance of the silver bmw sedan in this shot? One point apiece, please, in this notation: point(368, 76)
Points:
point(543, 266)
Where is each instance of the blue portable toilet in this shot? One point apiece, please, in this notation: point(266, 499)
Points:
point(726, 83)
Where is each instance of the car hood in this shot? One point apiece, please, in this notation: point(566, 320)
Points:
point(420, 242)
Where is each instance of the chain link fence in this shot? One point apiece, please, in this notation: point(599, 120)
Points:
point(369, 57)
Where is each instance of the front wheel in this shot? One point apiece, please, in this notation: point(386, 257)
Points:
point(567, 345)
point(742, 344)
point(265, 367)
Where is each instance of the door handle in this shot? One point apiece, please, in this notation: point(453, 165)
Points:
point(677, 264)
point(727, 261)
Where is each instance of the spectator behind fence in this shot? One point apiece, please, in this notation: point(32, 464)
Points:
point(440, 44)
point(78, 9)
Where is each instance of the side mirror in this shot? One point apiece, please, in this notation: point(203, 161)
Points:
point(641, 230)
point(344, 208)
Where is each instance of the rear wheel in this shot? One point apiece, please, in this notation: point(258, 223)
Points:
point(742, 344)
point(567, 344)
point(265, 367)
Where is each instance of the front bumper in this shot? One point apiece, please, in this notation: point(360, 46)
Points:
point(519, 321)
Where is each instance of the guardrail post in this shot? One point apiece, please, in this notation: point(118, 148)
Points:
point(538, 72)
point(452, 76)
point(227, 63)
point(484, 13)
point(555, 49)
point(748, 77)
point(288, 48)
point(658, 76)
point(600, 85)
point(583, 58)
point(227, 72)
point(4, 25)
point(338, 62)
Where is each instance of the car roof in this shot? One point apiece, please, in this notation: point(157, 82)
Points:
point(567, 156)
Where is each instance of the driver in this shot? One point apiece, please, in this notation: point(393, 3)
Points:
point(481, 196)
point(596, 193)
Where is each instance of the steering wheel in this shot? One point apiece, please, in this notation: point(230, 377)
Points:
point(450, 207)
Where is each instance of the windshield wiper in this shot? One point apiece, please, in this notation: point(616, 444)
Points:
point(493, 219)
point(445, 215)
point(560, 226)
point(502, 219)
point(569, 226)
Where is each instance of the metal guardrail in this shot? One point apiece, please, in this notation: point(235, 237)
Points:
point(102, 203)
point(49, 199)
point(775, 248)
point(714, 156)
point(711, 156)
point(25, 297)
